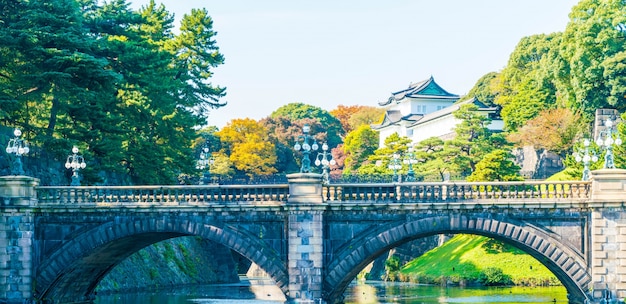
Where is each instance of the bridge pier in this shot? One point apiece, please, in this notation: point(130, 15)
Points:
point(17, 197)
point(608, 235)
point(305, 238)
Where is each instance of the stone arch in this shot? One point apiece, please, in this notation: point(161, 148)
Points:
point(73, 271)
point(566, 263)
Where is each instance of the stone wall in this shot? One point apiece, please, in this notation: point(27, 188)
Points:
point(537, 164)
point(174, 262)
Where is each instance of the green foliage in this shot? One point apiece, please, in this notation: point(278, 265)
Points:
point(358, 146)
point(323, 125)
point(392, 266)
point(435, 158)
point(525, 85)
point(498, 165)
point(115, 82)
point(484, 89)
point(593, 42)
point(378, 163)
point(492, 276)
point(472, 140)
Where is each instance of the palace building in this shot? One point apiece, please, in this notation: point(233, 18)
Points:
point(424, 110)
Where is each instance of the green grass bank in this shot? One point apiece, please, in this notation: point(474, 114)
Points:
point(472, 259)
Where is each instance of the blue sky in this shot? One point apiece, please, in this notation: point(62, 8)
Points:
point(331, 52)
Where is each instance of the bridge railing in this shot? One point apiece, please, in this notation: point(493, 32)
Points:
point(458, 191)
point(162, 195)
point(418, 192)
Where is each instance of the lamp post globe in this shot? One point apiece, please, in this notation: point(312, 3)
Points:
point(606, 141)
point(75, 162)
point(395, 165)
point(325, 159)
point(586, 156)
point(410, 160)
point(306, 144)
point(17, 147)
point(205, 162)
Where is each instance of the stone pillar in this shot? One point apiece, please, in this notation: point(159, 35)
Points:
point(608, 234)
point(305, 236)
point(17, 196)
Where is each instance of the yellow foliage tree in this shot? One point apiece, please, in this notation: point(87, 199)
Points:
point(247, 142)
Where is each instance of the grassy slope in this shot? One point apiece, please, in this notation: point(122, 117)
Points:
point(464, 256)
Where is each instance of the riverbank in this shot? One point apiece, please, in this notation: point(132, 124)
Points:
point(475, 260)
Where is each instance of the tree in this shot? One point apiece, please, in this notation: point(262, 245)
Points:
point(116, 82)
point(282, 133)
point(328, 128)
point(484, 90)
point(378, 163)
point(154, 118)
point(525, 87)
point(554, 130)
point(196, 53)
point(593, 42)
point(352, 117)
point(472, 139)
point(434, 159)
point(222, 166)
point(358, 146)
point(247, 143)
point(496, 166)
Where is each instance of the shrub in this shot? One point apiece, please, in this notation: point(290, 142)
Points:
point(492, 276)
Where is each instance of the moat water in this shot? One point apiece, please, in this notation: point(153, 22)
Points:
point(263, 291)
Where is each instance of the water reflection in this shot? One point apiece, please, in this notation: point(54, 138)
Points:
point(249, 291)
point(264, 291)
point(400, 293)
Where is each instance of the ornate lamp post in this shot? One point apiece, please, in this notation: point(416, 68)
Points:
point(75, 162)
point(409, 159)
point(395, 165)
point(308, 144)
point(325, 159)
point(205, 162)
point(585, 158)
point(605, 140)
point(18, 147)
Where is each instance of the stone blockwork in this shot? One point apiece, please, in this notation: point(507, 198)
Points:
point(16, 238)
point(305, 256)
point(608, 234)
point(608, 227)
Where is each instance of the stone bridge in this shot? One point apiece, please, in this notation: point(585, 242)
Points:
point(57, 243)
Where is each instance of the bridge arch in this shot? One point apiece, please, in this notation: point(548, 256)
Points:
point(565, 262)
point(73, 271)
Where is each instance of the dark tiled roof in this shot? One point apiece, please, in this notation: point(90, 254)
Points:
point(394, 116)
point(426, 89)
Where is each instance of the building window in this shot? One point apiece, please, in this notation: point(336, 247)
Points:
point(421, 109)
point(409, 132)
point(440, 107)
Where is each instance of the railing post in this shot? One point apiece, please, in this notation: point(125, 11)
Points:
point(305, 206)
point(608, 234)
point(17, 227)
